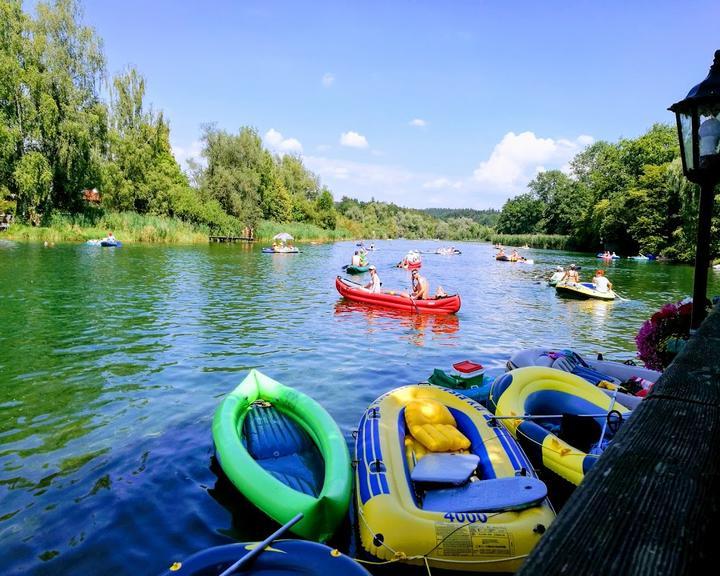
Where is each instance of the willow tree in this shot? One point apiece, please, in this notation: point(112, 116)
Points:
point(13, 52)
point(142, 174)
point(232, 176)
point(65, 120)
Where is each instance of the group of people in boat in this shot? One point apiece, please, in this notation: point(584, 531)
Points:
point(571, 275)
point(515, 256)
point(359, 258)
point(420, 287)
point(607, 255)
point(279, 246)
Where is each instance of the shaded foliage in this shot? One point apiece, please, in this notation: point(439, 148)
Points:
point(630, 197)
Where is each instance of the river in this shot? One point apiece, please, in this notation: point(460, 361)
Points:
point(112, 362)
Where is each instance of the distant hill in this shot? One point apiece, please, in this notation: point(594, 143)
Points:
point(484, 217)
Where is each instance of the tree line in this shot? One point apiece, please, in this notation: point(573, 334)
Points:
point(64, 128)
point(629, 196)
point(59, 136)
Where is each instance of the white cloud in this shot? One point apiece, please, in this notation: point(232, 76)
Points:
point(442, 183)
point(517, 158)
point(419, 122)
point(353, 140)
point(328, 79)
point(277, 142)
point(184, 153)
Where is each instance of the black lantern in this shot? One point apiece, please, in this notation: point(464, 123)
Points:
point(698, 123)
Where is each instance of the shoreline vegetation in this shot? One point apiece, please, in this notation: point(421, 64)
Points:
point(77, 160)
point(131, 227)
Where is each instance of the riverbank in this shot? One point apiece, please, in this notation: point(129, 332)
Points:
point(129, 228)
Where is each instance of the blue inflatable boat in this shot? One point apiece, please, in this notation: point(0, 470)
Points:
point(281, 557)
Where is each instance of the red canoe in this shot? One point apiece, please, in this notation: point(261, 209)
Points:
point(409, 265)
point(353, 291)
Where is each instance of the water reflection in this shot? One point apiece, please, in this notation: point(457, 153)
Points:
point(444, 327)
point(112, 363)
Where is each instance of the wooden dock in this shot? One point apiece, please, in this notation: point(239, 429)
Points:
point(650, 505)
point(231, 239)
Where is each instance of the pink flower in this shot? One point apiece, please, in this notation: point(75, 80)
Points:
point(671, 321)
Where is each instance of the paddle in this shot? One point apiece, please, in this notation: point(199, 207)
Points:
point(621, 296)
point(255, 552)
point(351, 282)
point(602, 434)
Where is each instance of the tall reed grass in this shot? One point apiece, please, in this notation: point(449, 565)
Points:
point(300, 231)
point(126, 226)
point(548, 241)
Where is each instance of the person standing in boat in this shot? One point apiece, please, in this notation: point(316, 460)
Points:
point(602, 284)
point(355, 259)
point(374, 286)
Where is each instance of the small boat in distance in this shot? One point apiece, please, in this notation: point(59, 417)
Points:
point(282, 244)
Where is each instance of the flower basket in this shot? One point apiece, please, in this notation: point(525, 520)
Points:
point(664, 335)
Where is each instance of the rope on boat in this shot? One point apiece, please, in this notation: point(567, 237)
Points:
point(399, 556)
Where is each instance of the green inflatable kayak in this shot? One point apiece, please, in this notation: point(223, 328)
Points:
point(285, 454)
point(357, 269)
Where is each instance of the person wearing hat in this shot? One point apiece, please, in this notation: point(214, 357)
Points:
point(602, 284)
point(374, 286)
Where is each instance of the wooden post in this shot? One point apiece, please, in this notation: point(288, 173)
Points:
point(702, 253)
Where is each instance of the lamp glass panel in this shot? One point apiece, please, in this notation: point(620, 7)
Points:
point(709, 131)
point(686, 138)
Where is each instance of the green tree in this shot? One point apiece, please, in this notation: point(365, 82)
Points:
point(232, 177)
point(562, 202)
point(143, 175)
point(65, 120)
point(275, 199)
point(13, 94)
point(33, 176)
point(520, 215)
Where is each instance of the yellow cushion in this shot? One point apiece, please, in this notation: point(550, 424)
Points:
point(432, 424)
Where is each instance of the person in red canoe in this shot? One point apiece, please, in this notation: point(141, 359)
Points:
point(374, 284)
point(420, 287)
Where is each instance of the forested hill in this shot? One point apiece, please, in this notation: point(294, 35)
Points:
point(483, 217)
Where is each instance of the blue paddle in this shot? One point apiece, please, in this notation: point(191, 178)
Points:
point(255, 552)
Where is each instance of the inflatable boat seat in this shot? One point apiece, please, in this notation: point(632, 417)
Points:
point(448, 468)
point(496, 495)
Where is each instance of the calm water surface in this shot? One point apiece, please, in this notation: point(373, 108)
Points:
point(112, 362)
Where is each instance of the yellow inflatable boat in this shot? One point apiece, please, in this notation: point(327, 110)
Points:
point(439, 481)
point(557, 417)
point(583, 291)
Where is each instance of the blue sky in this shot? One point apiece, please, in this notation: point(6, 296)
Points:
point(424, 103)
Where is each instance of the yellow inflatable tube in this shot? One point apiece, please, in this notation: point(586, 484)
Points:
point(394, 522)
point(546, 399)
